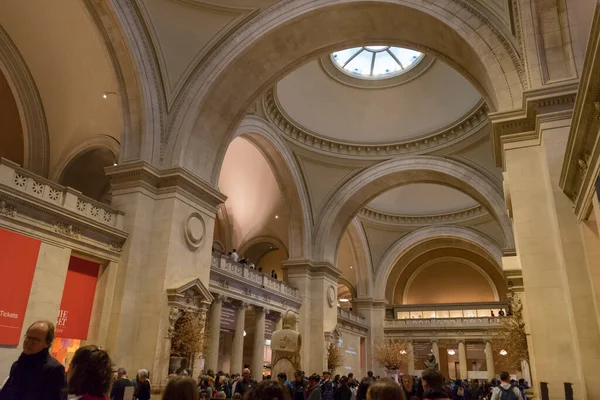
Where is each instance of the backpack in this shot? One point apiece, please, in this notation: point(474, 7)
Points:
point(507, 394)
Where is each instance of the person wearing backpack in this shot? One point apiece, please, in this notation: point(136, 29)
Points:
point(506, 391)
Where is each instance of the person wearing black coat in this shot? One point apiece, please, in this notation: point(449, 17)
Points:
point(36, 375)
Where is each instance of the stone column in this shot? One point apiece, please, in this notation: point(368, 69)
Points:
point(556, 274)
point(317, 288)
point(258, 354)
point(237, 349)
point(411, 358)
point(462, 359)
point(374, 313)
point(435, 349)
point(279, 322)
point(489, 360)
point(170, 237)
point(212, 358)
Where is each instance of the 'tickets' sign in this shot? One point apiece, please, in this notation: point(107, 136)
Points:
point(78, 299)
point(18, 257)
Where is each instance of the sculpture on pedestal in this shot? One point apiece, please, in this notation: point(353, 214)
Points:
point(286, 345)
point(431, 362)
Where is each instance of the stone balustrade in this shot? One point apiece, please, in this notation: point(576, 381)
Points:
point(429, 323)
point(18, 180)
point(350, 316)
point(246, 273)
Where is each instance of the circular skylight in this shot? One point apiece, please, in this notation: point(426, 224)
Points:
point(376, 62)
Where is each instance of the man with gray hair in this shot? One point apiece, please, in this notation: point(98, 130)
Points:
point(142, 391)
point(245, 384)
point(36, 375)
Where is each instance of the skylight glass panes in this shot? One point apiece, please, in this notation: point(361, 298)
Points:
point(375, 62)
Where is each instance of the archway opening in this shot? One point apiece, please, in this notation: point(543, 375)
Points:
point(86, 174)
point(12, 144)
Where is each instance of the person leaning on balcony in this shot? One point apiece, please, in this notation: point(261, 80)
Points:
point(35, 375)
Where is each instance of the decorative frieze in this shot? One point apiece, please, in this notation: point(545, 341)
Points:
point(470, 124)
point(468, 214)
point(67, 230)
point(7, 210)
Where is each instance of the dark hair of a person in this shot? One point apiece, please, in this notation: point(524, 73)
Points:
point(386, 389)
point(361, 393)
point(282, 375)
point(92, 372)
point(181, 388)
point(269, 390)
point(433, 378)
point(504, 376)
point(49, 333)
point(370, 374)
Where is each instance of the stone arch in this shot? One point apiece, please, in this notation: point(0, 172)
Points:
point(29, 103)
point(359, 190)
point(139, 84)
point(93, 143)
point(289, 177)
point(350, 286)
point(294, 32)
point(272, 240)
point(364, 267)
point(427, 239)
point(473, 265)
point(82, 168)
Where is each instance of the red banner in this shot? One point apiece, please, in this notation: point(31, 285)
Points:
point(18, 257)
point(77, 300)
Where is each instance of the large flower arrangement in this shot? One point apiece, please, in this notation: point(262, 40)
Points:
point(392, 354)
point(335, 357)
point(512, 335)
point(190, 336)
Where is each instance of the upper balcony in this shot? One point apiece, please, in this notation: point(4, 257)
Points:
point(30, 187)
point(232, 277)
point(38, 207)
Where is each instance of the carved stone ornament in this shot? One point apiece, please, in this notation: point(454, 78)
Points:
point(116, 247)
point(330, 296)
point(174, 314)
point(194, 230)
point(7, 210)
point(67, 230)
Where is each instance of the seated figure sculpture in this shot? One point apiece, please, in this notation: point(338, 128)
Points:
point(286, 345)
point(431, 362)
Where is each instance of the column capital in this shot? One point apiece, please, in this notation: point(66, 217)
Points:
point(260, 310)
point(311, 268)
point(238, 304)
point(164, 181)
point(434, 341)
point(219, 298)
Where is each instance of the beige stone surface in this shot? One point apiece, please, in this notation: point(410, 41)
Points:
point(45, 296)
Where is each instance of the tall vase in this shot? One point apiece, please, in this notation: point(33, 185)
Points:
point(393, 373)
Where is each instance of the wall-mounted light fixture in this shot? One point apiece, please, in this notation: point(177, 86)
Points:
point(106, 94)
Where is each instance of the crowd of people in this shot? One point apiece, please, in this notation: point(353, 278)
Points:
point(36, 375)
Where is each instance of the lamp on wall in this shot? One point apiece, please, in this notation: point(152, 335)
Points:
point(503, 352)
point(106, 94)
point(451, 352)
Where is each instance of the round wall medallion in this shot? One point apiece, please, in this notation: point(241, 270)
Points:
point(330, 295)
point(194, 230)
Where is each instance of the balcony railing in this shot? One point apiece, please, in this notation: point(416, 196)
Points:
point(20, 180)
point(252, 275)
point(428, 323)
point(350, 316)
